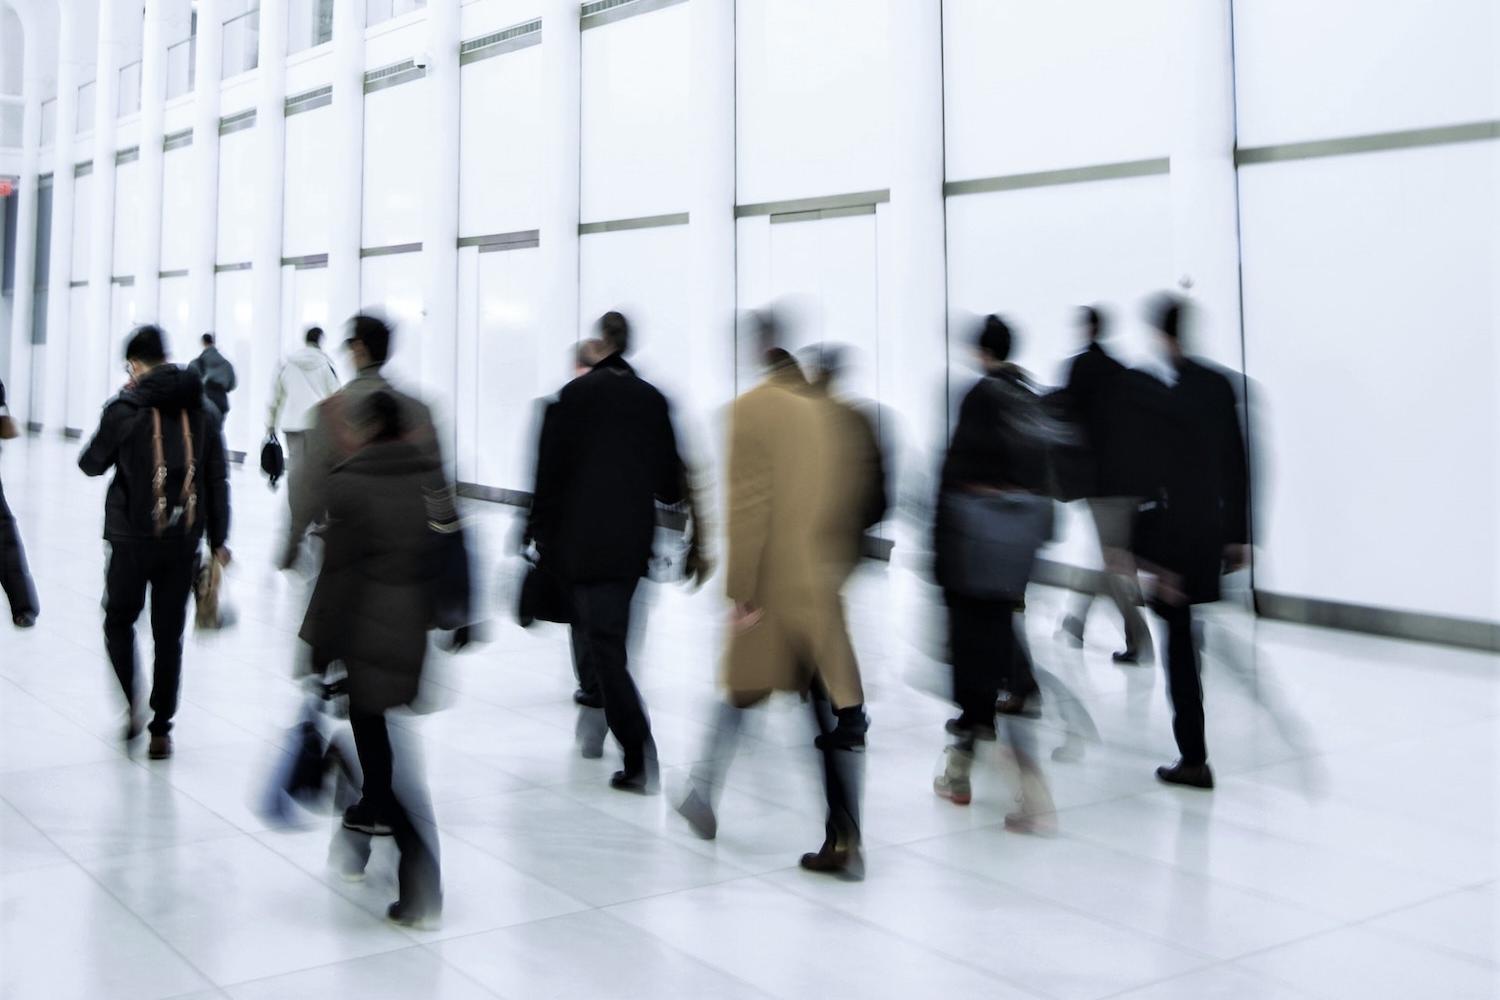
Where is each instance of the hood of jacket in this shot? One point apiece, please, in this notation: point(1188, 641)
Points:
point(310, 360)
point(167, 388)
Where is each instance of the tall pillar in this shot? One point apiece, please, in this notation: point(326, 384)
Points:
point(153, 129)
point(348, 158)
point(102, 358)
point(440, 232)
point(18, 378)
point(913, 354)
point(561, 55)
point(204, 250)
point(1205, 199)
point(265, 253)
point(62, 353)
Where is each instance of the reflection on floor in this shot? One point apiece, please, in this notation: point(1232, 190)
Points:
point(1349, 851)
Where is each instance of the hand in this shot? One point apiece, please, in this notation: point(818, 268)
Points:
point(223, 555)
point(745, 616)
point(1236, 557)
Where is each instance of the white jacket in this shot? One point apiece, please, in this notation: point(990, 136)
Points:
point(305, 379)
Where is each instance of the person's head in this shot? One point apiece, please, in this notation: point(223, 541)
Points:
point(995, 342)
point(208, 340)
point(314, 336)
point(614, 329)
point(145, 348)
point(1168, 316)
point(767, 333)
point(369, 341)
point(385, 417)
point(589, 353)
point(1091, 323)
point(828, 363)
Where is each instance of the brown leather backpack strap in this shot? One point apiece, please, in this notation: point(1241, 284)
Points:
point(189, 478)
point(158, 475)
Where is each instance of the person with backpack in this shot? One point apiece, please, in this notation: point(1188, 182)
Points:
point(15, 576)
point(304, 380)
point(216, 374)
point(170, 489)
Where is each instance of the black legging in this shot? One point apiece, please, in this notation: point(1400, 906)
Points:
point(417, 873)
point(986, 655)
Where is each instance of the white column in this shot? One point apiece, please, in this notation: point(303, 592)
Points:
point(61, 353)
point(153, 129)
point(205, 245)
point(265, 254)
point(1205, 202)
point(561, 54)
point(348, 158)
point(102, 358)
point(18, 377)
point(913, 353)
point(440, 232)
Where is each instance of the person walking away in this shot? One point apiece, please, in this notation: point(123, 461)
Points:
point(1094, 393)
point(607, 456)
point(372, 609)
point(803, 486)
point(305, 379)
point(170, 488)
point(1194, 525)
point(216, 374)
point(992, 457)
point(15, 575)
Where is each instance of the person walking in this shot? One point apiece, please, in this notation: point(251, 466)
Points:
point(216, 374)
point(15, 575)
point(305, 379)
point(170, 489)
point(1096, 392)
point(1194, 524)
point(607, 456)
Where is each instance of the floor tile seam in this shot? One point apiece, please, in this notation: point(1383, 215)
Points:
point(145, 765)
point(61, 717)
point(1366, 922)
point(583, 903)
point(1222, 964)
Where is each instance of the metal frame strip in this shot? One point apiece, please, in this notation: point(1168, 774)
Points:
point(1376, 142)
point(597, 15)
point(643, 222)
point(1052, 178)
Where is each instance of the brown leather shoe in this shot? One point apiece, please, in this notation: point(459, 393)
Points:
point(846, 862)
point(160, 748)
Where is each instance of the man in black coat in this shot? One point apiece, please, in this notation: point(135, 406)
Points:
point(170, 487)
point(1096, 390)
point(15, 575)
point(607, 456)
point(1194, 525)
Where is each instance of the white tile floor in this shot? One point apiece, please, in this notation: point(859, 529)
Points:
point(1349, 851)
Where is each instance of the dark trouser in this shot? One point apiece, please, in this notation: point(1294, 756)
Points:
point(166, 566)
point(986, 655)
point(1184, 686)
point(583, 669)
point(417, 874)
point(843, 773)
point(296, 448)
point(15, 578)
point(601, 618)
point(1113, 518)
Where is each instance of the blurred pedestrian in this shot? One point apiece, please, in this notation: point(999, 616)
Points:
point(15, 576)
point(170, 487)
point(305, 379)
point(216, 374)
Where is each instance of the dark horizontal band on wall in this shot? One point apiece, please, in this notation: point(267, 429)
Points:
point(177, 140)
point(177, 273)
point(822, 204)
point(237, 457)
point(83, 169)
point(1422, 627)
point(79, 284)
point(237, 122)
point(497, 43)
point(390, 251)
point(493, 494)
point(602, 12)
point(44, 181)
point(306, 262)
point(523, 239)
point(33, 427)
point(1373, 143)
point(393, 75)
point(822, 213)
point(127, 155)
point(123, 280)
point(309, 101)
point(243, 265)
point(643, 222)
point(72, 433)
point(1053, 178)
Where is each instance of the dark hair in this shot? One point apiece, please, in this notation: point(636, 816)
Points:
point(1092, 318)
point(208, 340)
point(995, 338)
point(314, 335)
point(385, 416)
point(614, 330)
point(146, 343)
point(765, 331)
point(1165, 311)
point(374, 333)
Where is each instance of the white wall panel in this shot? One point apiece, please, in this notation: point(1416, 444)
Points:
point(509, 373)
point(637, 142)
point(179, 208)
point(812, 89)
point(178, 114)
point(310, 139)
point(129, 204)
point(238, 196)
point(395, 157)
point(83, 221)
point(480, 17)
point(502, 158)
point(1038, 86)
point(306, 297)
point(83, 410)
point(239, 94)
point(176, 300)
point(392, 285)
point(397, 39)
point(309, 69)
point(1371, 334)
point(1348, 67)
point(234, 315)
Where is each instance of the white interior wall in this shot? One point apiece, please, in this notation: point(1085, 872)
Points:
point(501, 165)
point(395, 130)
point(234, 316)
point(178, 210)
point(128, 219)
point(237, 197)
point(308, 214)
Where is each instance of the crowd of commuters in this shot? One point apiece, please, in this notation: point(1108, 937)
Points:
point(1157, 453)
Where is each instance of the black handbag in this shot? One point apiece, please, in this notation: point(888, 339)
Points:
point(988, 542)
point(272, 460)
point(450, 580)
point(542, 597)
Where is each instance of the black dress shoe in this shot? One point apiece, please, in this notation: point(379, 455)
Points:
point(362, 818)
point(26, 619)
point(421, 918)
point(630, 781)
point(1127, 656)
point(849, 731)
point(970, 729)
point(587, 700)
point(846, 862)
point(1190, 775)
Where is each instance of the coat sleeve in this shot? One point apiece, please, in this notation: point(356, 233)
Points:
point(215, 482)
point(551, 454)
point(1236, 471)
point(749, 514)
point(309, 489)
point(278, 398)
point(103, 449)
point(671, 485)
point(234, 382)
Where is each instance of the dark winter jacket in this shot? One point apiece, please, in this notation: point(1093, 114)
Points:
point(123, 443)
point(372, 605)
point(986, 451)
point(217, 375)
